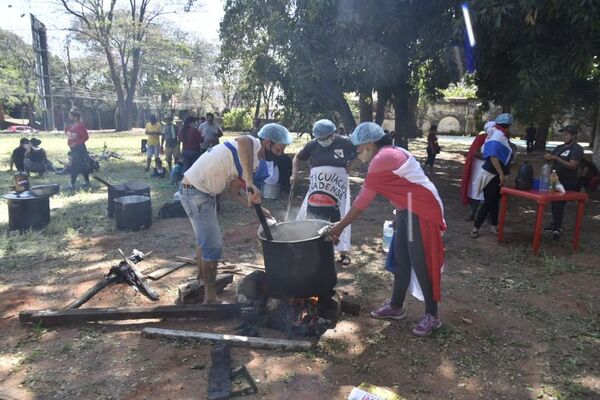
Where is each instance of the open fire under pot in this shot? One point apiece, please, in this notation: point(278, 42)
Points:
point(295, 294)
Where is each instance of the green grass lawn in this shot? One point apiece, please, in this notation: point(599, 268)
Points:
point(80, 214)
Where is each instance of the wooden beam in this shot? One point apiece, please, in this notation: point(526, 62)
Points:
point(234, 340)
point(78, 315)
point(224, 265)
point(219, 377)
point(193, 291)
point(161, 272)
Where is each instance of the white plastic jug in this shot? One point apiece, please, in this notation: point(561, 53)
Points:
point(545, 177)
point(388, 232)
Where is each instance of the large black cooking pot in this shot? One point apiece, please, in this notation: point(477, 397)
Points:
point(125, 189)
point(133, 213)
point(298, 262)
point(26, 211)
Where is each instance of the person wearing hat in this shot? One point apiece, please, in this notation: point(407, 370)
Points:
point(417, 249)
point(170, 142)
point(565, 161)
point(497, 156)
point(328, 196)
point(228, 166)
point(35, 158)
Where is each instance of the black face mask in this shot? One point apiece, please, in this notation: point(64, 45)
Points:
point(269, 155)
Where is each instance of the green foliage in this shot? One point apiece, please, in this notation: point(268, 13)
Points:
point(464, 89)
point(238, 119)
point(315, 51)
point(17, 75)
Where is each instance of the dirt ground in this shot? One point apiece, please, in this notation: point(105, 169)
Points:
point(516, 326)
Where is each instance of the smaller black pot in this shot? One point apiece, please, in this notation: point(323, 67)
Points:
point(133, 213)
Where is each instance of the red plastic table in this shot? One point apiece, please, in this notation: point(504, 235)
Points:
point(542, 198)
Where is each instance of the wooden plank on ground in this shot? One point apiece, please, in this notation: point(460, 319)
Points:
point(219, 378)
point(223, 265)
point(162, 272)
point(234, 340)
point(77, 315)
point(193, 291)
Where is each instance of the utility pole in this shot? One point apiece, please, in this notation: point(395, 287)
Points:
point(42, 70)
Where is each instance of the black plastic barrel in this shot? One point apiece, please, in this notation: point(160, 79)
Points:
point(298, 262)
point(133, 213)
point(126, 189)
point(27, 212)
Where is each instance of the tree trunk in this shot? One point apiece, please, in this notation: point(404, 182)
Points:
point(413, 128)
point(542, 134)
point(31, 116)
point(345, 113)
point(595, 126)
point(257, 109)
point(383, 97)
point(365, 103)
point(401, 116)
point(595, 142)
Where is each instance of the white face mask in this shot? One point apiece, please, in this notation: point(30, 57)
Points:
point(326, 142)
point(366, 154)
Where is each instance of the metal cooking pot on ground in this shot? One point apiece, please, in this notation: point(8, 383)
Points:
point(299, 263)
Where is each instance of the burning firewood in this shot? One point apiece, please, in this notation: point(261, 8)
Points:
point(124, 272)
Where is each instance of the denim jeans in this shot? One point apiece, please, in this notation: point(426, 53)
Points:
point(201, 209)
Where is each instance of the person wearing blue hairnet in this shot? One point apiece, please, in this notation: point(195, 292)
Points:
point(416, 256)
point(328, 195)
point(497, 155)
point(228, 166)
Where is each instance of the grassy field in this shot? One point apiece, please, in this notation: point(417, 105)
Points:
point(80, 214)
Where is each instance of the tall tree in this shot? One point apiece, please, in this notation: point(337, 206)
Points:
point(531, 54)
point(18, 84)
point(121, 34)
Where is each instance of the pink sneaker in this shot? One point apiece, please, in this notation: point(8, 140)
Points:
point(387, 312)
point(427, 325)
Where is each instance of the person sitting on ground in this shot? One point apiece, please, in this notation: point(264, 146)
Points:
point(35, 158)
point(153, 130)
point(328, 197)
point(417, 247)
point(229, 166)
point(497, 154)
point(177, 171)
point(565, 161)
point(159, 170)
point(77, 135)
point(18, 155)
point(170, 142)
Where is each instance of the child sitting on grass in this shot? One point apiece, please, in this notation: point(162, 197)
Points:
point(177, 171)
point(159, 170)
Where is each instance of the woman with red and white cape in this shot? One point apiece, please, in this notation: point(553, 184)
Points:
point(396, 175)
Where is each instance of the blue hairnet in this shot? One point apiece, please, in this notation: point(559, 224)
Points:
point(367, 132)
point(275, 133)
point(323, 128)
point(505, 118)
